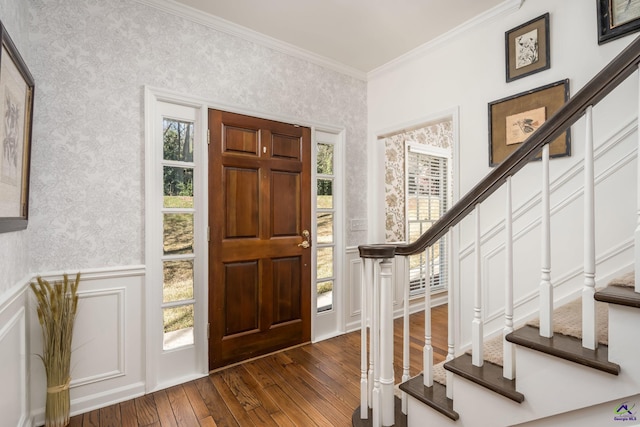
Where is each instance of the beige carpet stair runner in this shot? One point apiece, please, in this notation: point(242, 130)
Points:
point(567, 320)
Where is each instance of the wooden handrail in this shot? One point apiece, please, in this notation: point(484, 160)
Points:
point(614, 73)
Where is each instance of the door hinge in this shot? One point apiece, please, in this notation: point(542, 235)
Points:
point(208, 330)
point(208, 136)
point(208, 234)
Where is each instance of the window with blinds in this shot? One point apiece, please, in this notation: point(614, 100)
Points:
point(427, 199)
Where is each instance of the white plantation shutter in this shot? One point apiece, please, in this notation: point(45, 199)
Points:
point(427, 198)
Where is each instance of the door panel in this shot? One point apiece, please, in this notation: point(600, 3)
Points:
point(285, 204)
point(259, 278)
point(242, 203)
point(241, 291)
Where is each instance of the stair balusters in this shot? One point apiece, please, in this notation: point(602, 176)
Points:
point(589, 338)
point(476, 325)
point(427, 352)
point(509, 364)
point(403, 262)
point(546, 289)
point(451, 319)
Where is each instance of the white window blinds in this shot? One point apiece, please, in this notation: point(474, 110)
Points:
point(427, 198)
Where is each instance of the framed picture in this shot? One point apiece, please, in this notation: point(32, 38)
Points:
point(617, 18)
point(16, 112)
point(527, 48)
point(512, 120)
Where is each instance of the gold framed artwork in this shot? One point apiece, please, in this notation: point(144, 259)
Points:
point(527, 48)
point(16, 111)
point(617, 18)
point(513, 119)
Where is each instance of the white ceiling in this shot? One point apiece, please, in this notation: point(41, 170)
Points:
point(360, 34)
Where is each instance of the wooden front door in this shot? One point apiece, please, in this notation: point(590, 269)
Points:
point(259, 210)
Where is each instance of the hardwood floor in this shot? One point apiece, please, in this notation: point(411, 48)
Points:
point(312, 385)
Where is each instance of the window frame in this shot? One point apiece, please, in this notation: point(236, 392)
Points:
point(444, 154)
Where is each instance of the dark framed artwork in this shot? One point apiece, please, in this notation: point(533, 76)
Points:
point(527, 48)
point(617, 18)
point(16, 111)
point(513, 119)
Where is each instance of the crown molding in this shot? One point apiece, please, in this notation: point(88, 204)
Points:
point(508, 6)
point(197, 16)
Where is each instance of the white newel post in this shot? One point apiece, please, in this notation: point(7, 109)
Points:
point(374, 354)
point(366, 279)
point(546, 289)
point(589, 334)
point(509, 365)
point(386, 343)
point(477, 349)
point(377, 303)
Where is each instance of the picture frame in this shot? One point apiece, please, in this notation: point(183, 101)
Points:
point(527, 48)
point(513, 119)
point(617, 18)
point(16, 118)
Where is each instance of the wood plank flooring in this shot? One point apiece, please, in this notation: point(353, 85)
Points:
point(312, 385)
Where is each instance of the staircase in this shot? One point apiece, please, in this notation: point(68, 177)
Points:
point(548, 374)
point(545, 374)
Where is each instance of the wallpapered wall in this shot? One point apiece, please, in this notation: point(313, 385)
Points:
point(434, 135)
point(91, 61)
point(14, 263)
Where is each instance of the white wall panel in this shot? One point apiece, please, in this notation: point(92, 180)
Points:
point(13, 364)
point(107, 362)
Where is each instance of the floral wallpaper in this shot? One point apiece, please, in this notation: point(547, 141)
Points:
point(435, 135)
point(14, 263)
point(92, 59)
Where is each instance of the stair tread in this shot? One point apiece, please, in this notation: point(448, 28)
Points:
point(434, 396)
point(621, 295)
point(489, 375)
point(565, 347)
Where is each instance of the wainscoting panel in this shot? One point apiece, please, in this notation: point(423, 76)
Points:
point(13, 363)
point(107, 363)
point(101, 321)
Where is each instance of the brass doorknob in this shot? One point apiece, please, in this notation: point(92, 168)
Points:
point(305, 243)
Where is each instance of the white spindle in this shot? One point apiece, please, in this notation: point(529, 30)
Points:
point(376, 400)
point(637, 232)
point(589, 338)
point(406, 333)
point(386, 344)
point(509, 361)
point(546, 289)
point(451, 322)
point(366, 281)
point(427, 352)
point(476, 325)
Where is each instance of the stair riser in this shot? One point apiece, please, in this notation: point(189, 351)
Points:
point(421, 415)
point(624, 345)
point(554, 386)
point(602, 415)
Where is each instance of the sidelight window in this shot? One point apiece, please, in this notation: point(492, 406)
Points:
point(325, 212)
point(178, 234)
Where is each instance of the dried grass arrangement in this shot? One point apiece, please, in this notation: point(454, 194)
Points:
point(56, 305)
